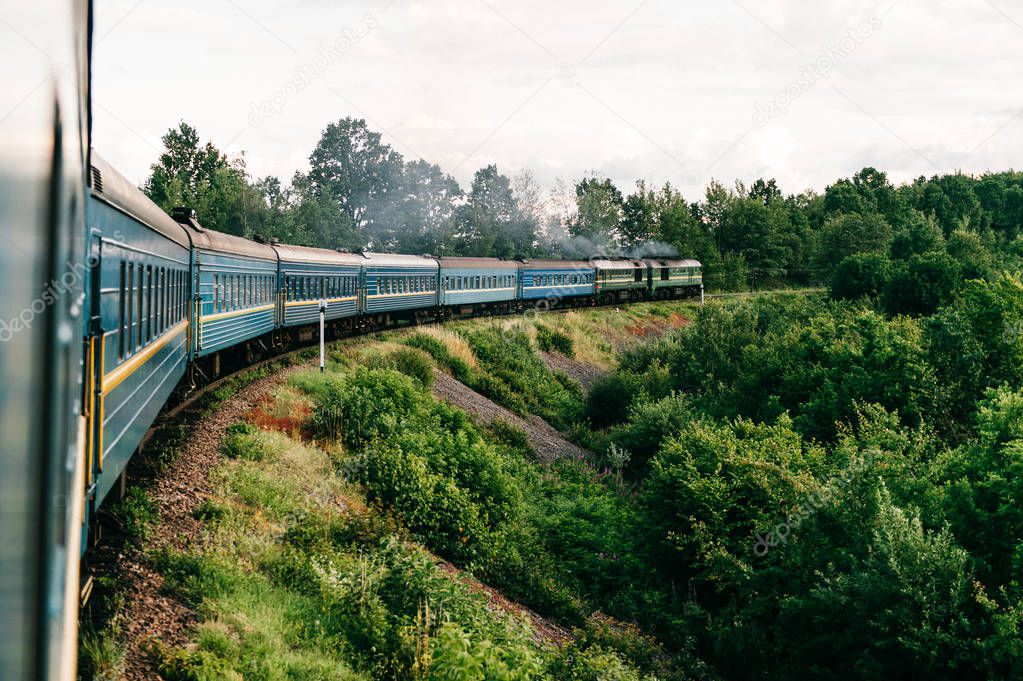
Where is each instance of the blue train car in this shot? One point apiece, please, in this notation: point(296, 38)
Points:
point(556, 281)
point(42, 263)
point(308, 275)
point(234, 288)
point(397, 286)
point(138, 341)
point(469, 285)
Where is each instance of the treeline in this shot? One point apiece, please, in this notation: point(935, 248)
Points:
point(863, 234)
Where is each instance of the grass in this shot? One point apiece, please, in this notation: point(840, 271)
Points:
point(301, 579)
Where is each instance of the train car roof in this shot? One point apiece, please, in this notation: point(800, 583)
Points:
point(478, 263)
point(320, 256)
point(672, 262)
point(396, 260)
point(541, 264)
point(617, 263)
point(113, 188)
point(229, 244)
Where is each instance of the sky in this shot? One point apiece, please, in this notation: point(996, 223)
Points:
point(675, 91)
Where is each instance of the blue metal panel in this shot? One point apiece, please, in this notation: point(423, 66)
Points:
point(459, 286)
point(392, 289)
point(554, 283)
point(226, 317)
point(303, 308)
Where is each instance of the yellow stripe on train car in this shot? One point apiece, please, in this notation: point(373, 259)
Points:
point(234, 313)
point(300, 303)
point(118, 375)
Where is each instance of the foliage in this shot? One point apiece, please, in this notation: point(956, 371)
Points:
point(862, 274)
point(137, 514)
point(552, 340)
point(361, 193)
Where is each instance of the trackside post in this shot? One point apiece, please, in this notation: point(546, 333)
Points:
point(323, 313)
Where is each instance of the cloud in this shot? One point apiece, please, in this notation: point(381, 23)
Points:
point(634, 90)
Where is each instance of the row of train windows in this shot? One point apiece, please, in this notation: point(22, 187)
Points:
point(152, 299)
point(315, 288)
point(624, 275)
point(562, 279)
point(478, 282)
point(683, 270)
point(405, 284)
point(238, 291)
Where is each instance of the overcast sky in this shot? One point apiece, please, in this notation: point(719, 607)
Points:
point(800, 90)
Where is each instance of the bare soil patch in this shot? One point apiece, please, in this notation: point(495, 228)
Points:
point(546, 441)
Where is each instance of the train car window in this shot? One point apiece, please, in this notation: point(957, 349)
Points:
point(121, 303)
point(166, 277)
point(129, 300)
point(157, 302)
point(216, 293)
point(161, 300)
point(148, 331)
point(168, 300)
point(139, 302)
point(164, 311)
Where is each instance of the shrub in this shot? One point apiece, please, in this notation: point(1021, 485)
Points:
point(413, 363)
point(553, 340)
point(458, 367)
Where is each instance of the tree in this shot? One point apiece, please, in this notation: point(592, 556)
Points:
point(851, 233)
point(599, 212)
point(426, 209)
point(922, 285)
point(859, 275)
point(363, 177)
point(489, 224)
point(967, 248)
point(921, 235)
point(201, 178)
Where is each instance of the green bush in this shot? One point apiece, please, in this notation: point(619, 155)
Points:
point(552, 340)
point(436, 349)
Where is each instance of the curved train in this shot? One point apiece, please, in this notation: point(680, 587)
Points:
point(172, 303)
point(110, 305)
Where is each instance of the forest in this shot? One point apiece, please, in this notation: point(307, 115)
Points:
point(862, 232)
point(819, 485)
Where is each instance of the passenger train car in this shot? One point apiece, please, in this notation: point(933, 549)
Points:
point(473, 285)
point(137, 345)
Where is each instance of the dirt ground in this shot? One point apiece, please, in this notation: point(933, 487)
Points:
point(547, 442)
point(582, 373)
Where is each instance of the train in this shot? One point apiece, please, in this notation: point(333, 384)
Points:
point(113, 306)
point(173, 305)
